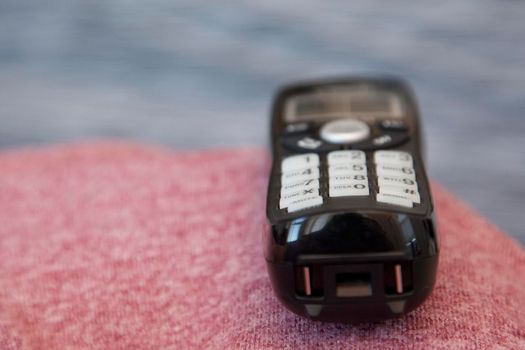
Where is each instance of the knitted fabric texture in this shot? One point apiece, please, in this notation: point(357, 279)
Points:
point(120, 246)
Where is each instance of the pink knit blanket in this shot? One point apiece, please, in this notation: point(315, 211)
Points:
point(121, 246)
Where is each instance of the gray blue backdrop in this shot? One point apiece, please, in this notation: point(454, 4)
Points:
point(200, 74)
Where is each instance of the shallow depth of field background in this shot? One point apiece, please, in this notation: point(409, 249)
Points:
point(200, 74)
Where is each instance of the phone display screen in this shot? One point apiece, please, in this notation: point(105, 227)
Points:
point(343, 102)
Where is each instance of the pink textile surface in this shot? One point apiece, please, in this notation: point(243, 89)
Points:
point(111, 245)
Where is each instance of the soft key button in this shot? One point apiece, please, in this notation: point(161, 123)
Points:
point(395, 170)
point(299, 175)
point(393, 157)
point(346, 157)
point(300, 162)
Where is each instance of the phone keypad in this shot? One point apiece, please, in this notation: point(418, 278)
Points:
point(348, 176)
point(300, 182)
point(396, 178)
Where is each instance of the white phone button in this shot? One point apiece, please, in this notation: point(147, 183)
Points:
point(345, 131)
point(289, 198)
point(394, 199)
point(299, 162)
point(346, 157)
point(299, 175)
point(347, 169)
point(393, 157)
point(407, 192)
point(305, 202)
point(300, 185)
point(396, 181)
point(345, 179)
point(395, 170)
point(349, 189)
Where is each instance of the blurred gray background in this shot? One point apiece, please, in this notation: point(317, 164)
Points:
point(200, 74)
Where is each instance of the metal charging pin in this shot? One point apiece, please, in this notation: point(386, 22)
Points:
point(307, 284)
point(399, 279)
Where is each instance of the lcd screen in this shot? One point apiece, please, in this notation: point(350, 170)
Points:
point(348, 102)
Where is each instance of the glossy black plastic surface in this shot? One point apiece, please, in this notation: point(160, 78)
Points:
point(351, 238)
point(280, 149)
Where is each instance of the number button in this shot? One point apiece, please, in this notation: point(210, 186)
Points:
point(395, 170)
point(301, 185)
point(300, 162)
point(304, 203)
point(299, 175)
point(407, 192)
point(346, 157)
point(347, 169)
point(394, 199)
point(349, 189)
point(396, 181)
point(393, 157)
point(290, 198)
point(345, 179)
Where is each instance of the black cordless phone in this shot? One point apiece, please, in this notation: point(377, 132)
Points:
point(352, 234)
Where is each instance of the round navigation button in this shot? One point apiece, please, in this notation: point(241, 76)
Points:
point(344, 131)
